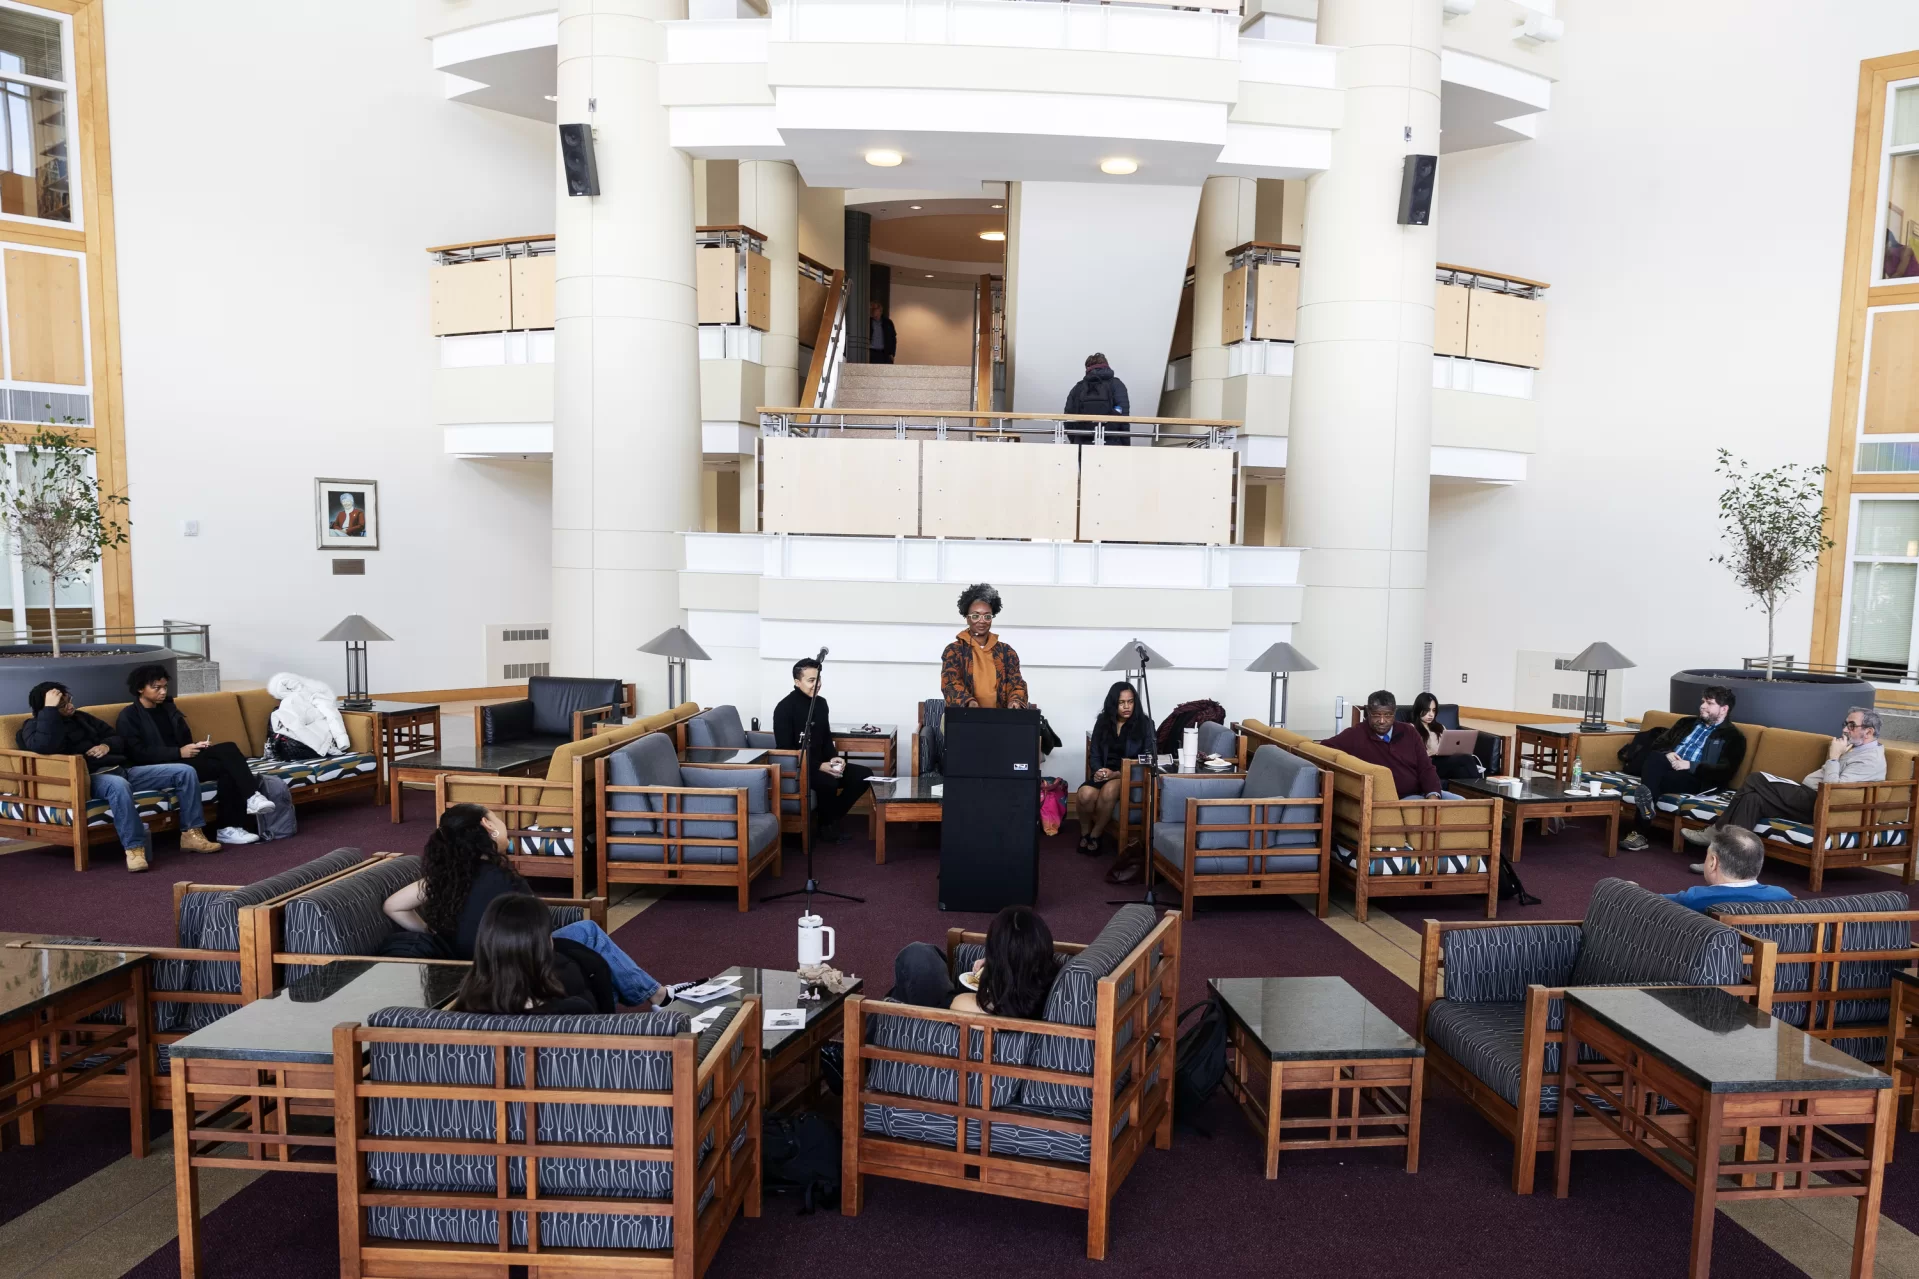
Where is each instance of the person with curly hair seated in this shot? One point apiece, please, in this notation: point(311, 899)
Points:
point(979, 668)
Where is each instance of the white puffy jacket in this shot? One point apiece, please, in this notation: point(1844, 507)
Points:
point(308, 713)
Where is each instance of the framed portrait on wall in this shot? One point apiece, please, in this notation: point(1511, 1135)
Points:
point(348, 514)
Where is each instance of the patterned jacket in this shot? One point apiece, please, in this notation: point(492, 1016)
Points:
point(956, 672)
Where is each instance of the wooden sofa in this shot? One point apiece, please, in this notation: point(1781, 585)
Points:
point(712, 824)
point(1416, 847)
point(551, 818)
point(1866, 825)
point(39, 799)
point(1208, 839)
point(589, 1145)
point(1491, 999)
point(1055, 1111)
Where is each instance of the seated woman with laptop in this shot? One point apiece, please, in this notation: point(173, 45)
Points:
point(1451, 749)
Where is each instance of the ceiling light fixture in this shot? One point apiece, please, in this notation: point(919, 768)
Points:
point(1119, 166)
point(929, 275)
point(552, 97)
point(884, 159)
point(915, 206)
point(992, 235)
point(999, 206)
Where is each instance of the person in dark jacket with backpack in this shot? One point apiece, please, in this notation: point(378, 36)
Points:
point(1699, 753)
point(1122, 732)
point(1099, 393)
point(157, 733)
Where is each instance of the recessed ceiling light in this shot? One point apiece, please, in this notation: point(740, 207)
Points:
point(915, 206)
point(552, 97)
point(929, 275)
point(1118, 166)
point(884, 159)
point(999, 206)
point(992, 235)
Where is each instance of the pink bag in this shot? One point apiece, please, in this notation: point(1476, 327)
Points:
point(1052, 804)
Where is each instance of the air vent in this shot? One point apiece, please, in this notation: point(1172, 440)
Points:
point(515, 650)
point(520, 670)
point(47, 406)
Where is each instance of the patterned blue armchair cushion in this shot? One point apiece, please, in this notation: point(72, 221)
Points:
point(1632, 937)
point(347, 916)
point(583, 1068)
point(306, 772)
point(98, 818)
point(1800, 834)
point(1072, 1002)
point(717, 728)
point(648, 761)
point(1495, 965)
point(1857, 974)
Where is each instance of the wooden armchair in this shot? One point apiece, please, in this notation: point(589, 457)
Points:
point(658, 821)
point(1244, 834)
point(41, 802)
point(1087, 1100)
point(423, 1099)
point(1414, 847)
point(1491, 1000)
point(719, 728)
point(547, 819)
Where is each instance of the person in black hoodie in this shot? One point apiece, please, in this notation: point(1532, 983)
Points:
point(58, 727)
point(1122, 732)
point(157, 733)
point(1699, 753)
point(1101, 394)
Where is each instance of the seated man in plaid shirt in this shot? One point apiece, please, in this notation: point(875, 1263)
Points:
point(1697, 754)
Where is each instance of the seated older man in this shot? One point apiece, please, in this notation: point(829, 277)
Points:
point(1731, 868)
point(1381, 740)
point(1855, 756)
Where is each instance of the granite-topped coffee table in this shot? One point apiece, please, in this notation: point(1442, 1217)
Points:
point(1318, 1034)
point(905, 799)
point(1542, 796)
point(1762, 1096)
point(46, 999)
point(783, 1053)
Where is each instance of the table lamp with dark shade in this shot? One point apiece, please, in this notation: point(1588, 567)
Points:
point(1137, 655)
point(678, 648)
point(1596, 660)
point(1280, 661)
point(355, 632)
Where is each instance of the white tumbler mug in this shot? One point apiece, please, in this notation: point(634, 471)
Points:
point(817, 942)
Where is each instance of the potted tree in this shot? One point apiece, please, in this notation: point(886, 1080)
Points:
point(53, 509)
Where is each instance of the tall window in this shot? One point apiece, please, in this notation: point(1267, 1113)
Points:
point(1884, 571)
point(36, 99)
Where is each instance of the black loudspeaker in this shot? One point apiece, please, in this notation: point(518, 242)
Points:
point(989, 829)
point(1416, 190)
point(576, 153)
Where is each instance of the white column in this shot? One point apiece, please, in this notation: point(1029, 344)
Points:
point(1226, 215)
point(626, 408)
point(1359, 456)
point(770, 204)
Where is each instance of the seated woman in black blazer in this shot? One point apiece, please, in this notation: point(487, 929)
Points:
point(1121, 732)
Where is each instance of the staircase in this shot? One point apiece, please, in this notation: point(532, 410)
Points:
point(904, 386)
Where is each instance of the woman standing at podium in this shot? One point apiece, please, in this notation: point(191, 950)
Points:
point(978, 668)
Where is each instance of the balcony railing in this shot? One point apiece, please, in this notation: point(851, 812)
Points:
point(955, 424)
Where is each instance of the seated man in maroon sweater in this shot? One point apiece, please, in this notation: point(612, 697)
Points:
point(1379, 740)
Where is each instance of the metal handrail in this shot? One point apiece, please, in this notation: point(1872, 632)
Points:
point(526, 246)
point(1876, 672)
point(194, 639)
point(1045, 428)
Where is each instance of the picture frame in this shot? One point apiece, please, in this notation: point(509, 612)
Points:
point(347, 514)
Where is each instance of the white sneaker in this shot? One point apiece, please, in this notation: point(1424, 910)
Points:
point(258, 803)
point(234, 835)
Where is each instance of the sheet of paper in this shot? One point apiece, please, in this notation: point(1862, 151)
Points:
point(708, 991)
point(882, 779)
point(705, 1019)
point(784, 1019)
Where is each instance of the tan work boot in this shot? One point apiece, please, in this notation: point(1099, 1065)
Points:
point(196, 841)
point(136, 859)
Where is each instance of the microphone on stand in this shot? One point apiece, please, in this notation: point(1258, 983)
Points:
point(822, 656)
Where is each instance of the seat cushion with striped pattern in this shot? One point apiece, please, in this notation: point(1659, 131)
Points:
point(1801, 834)
point(1396, 862)
point(145, 801)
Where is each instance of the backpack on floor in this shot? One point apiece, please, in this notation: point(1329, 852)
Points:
point(800, 1155)
point(277, 822)
point(1510, 888)
point(1199, 1059)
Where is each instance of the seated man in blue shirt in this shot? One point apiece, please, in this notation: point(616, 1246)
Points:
point(1732, 873)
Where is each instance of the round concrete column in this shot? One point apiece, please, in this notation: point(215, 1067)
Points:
point(1359, 457)
point(770, 204)
point(1226, 209)
point(626, 405)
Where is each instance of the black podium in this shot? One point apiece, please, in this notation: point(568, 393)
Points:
point(989, 822)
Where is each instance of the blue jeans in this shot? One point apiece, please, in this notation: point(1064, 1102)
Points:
point(632, 982)
point(118, 792)
point(1445, 794)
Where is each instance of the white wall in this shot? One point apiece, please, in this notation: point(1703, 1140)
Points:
point(273, 327)
point(935, 325)
point(1678, 321)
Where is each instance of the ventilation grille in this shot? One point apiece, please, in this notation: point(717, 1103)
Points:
point(47, 406)
point(522, 635)
point(1426, 670)
point(1571, 702)
point(516, 650)
point(520, 670)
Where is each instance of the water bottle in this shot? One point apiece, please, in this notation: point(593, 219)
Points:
point(1579, 775)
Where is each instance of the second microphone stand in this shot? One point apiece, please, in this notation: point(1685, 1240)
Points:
point(806, 779)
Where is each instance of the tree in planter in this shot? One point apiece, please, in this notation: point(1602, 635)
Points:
point(52, 508)
point(1774, 525)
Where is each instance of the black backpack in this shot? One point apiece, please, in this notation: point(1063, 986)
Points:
point(800, 1155)
point(1510, 886)
point(1199, 1060)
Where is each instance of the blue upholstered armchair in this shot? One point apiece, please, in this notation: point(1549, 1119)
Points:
point(719, 728)
point(711, 823)
point(1495, 1028)
point(1208, 842)
point(693, 1101)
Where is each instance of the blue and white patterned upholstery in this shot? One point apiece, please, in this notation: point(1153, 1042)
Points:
point(1073, 1002)
point(347, 916)
point(1632, 937)
point(1800, 834)
point(1707, 807)
point(1671, 802)
point(1856, 974)
point(599, 1124)
point(1402, 861)
point(1495, 965)
point(309, 772)
point(146, 801)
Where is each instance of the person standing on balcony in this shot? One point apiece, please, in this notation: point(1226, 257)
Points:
point(978, 668)
point(882, 338)
point(1100, 394)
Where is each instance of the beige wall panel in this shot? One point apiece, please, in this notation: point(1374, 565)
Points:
point(841, 486)
point(43, 318)
point(1232, 307)
point(969, 490)
point(1255, 522)
point(1506, 329)
point(716, 276)
point(812, 307)
point(1892, 378)
point(759, 292)
point(471, 298)
point(1449, 319)
point(1078, 607)
point(1183, 326)
point(1155, 495)
point(1275, 302)
point(533, 292)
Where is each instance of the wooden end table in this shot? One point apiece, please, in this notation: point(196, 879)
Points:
point(1761, 1096)
point(1541, 797)
point(461, 757)
point(399, 729)
point(1902, 1041)
point(1318, 1034)
point(792, 1056)
point(910, 799)
point(45, 1040)
point(1551, 748)
point(874, 747)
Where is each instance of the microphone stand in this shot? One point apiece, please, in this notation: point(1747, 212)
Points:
point(1152, 775)
point(805, 780)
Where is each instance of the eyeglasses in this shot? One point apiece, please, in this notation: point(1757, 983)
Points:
point(1855, 723)
point(979, 617)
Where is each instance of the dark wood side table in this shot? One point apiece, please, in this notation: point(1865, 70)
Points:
point(910, 799)
point(1541, 797)
point(45, 1040)
point(1761, 1095)
point(461, 757)
point(789, 1059)
point(1902, 1041)
point(1318, 1034)
point(399, 729)
point(1551, 748)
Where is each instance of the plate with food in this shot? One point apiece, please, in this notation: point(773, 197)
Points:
point(970, 980)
